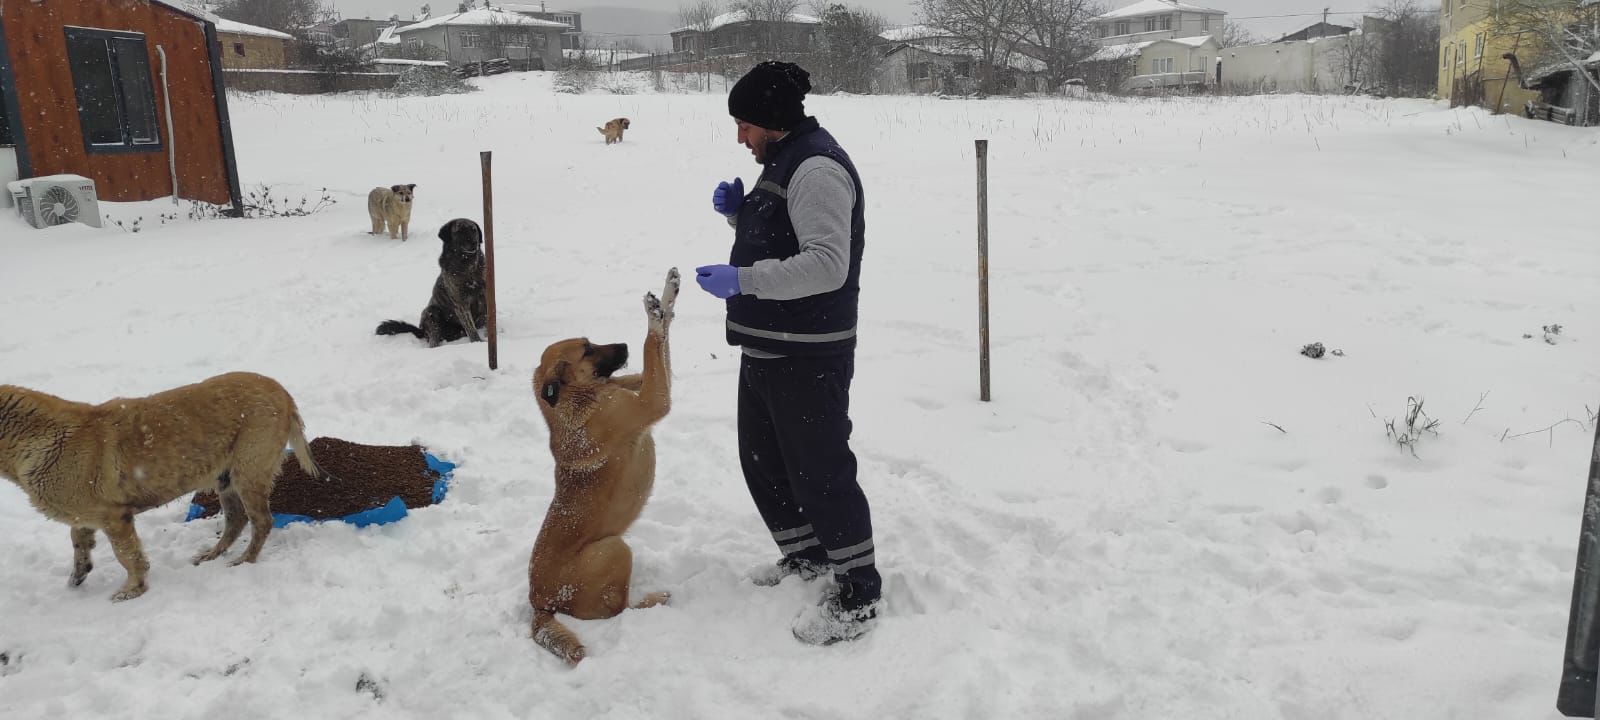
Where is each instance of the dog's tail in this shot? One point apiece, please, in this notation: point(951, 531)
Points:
point(302, 449)
point(396, 327)
point(555, 637)
point(602, 130)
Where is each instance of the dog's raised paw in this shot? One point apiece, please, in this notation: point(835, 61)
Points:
point(669, 291)
point(652, 307)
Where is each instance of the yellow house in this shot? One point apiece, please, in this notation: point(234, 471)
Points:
point(247, 47)
point(1472, 70)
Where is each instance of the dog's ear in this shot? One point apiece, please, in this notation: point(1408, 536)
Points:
point(445, 231)
point(412, 187)
point(395, 188)
point(550, 391)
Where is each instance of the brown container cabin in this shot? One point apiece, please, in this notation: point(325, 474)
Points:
point(83, 92)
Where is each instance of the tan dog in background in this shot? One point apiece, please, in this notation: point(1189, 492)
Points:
point(605, 466)
point(613, 130)
point(391, 206)
point(94, 467)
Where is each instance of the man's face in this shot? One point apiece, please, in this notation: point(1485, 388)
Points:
point(756, 138)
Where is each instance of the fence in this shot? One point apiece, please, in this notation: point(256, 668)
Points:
point(305, 82)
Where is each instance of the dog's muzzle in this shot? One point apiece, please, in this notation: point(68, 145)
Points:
point(609, 359)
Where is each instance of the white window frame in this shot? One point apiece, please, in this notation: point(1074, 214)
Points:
point(471, 40)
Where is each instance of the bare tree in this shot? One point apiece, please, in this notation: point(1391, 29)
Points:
point(1236, 35)
point(699, 18)
point(1407, 48)
point(846, 53)
point(1566, 35)
point(1057, 32)
point(289, 16)
point(991, 27)
point(778, 39)
point(1356, 61)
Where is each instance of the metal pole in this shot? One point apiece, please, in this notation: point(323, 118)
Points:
point(983, 269)
point(488, 253)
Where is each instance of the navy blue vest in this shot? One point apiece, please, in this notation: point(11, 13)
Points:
point(816, 325)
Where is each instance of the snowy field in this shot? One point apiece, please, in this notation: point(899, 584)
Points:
point(1121, 533)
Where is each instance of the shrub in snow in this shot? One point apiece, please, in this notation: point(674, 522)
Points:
point(1416, 423)
point(420, 80)
point(1314, 350)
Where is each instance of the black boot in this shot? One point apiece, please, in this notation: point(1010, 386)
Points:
point(844, 614)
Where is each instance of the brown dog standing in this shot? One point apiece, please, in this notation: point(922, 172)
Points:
point(94, 467)
point(613, 129)
point(605, 466)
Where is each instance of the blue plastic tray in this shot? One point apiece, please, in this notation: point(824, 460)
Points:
point(394, 510)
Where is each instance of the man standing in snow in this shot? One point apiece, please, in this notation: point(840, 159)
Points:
point(792, 285)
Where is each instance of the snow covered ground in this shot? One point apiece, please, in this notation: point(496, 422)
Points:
point(1119, 534)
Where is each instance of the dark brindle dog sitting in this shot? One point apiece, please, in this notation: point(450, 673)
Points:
point(458, 307)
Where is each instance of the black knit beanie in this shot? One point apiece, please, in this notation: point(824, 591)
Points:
point(772, 95)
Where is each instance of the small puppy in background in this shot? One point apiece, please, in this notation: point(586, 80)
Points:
point(613, 130)
point(391, 206)
point(459, 307)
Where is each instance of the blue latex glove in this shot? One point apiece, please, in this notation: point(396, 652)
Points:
point(719, 280)
point(728, 197)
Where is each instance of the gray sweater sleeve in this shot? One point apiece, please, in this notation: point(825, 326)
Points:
point(821, 197)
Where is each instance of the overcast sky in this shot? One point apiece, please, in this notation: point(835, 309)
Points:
point(1246, 12)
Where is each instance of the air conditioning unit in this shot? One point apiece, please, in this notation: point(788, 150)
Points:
point(56, 200)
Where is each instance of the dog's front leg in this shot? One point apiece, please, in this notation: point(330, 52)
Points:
point(654, 384)
point(129, 552)
point(82, 559)
point(405, 229)
point(463, 311)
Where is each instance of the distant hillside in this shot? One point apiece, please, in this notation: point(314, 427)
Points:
point(650, 27)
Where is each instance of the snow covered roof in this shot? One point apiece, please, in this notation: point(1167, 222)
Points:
point(1156, 7)
point(193, 8)
point(238, 28)
point(913, 32)
point(1117, 52)
point(510, 7)
point(1195, 41)
point(483, 17)
point(740, 16)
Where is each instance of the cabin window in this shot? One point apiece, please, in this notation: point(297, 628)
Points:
point(5, 121)
point(238, 49)
point(116, 98)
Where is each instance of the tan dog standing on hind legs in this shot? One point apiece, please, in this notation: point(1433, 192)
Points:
point(391, 206)
point(605, 466)
point(94, 467)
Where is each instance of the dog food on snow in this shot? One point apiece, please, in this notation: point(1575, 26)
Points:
point(363, 477)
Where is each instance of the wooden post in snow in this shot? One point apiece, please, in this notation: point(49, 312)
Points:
point(488, 256)
point(983, 270)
